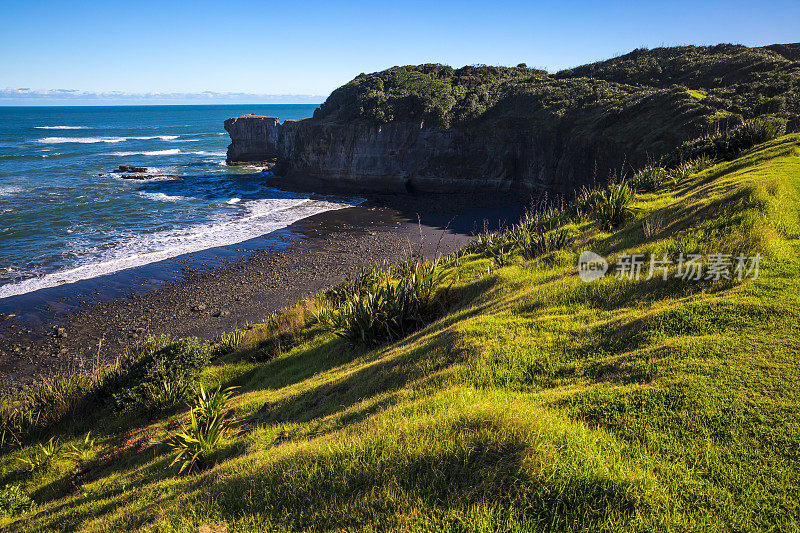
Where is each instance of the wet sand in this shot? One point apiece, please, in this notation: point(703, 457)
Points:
point(70, 328)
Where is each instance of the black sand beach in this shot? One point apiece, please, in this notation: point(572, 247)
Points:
point(70, 328)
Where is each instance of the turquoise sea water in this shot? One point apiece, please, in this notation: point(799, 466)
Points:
point(65, 216)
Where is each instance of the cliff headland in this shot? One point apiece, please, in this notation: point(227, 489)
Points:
point(432, 128)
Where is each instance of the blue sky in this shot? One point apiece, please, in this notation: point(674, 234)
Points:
point(310, 48)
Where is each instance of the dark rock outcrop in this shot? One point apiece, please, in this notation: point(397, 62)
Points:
point(254, 139)
point(127, 168)
point(407, 157)
point(128, 172)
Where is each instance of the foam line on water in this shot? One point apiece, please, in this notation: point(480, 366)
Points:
point(10, 190)
point(256, 218)
point(161, 197)
point(173, 151)
point(90, 140)
point(61, 127)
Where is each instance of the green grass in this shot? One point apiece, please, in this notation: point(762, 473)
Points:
point(697, 94)
point(536, 403)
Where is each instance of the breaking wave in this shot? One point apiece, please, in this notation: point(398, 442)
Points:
point(253, 219)
point(89, 140)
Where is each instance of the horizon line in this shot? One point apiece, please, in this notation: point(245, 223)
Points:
point(172, 104)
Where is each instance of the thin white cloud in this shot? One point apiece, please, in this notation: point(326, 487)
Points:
point(25, 94)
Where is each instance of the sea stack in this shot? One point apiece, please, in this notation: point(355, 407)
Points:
point(253, 139)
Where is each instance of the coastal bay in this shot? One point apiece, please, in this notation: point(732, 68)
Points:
point(71, 328)
point(446, 299)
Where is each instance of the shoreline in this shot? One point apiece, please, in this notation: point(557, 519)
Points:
point(98, 318)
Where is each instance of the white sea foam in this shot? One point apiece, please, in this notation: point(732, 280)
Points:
point(203, 152)
point(10, 190)
point(61, 127)
point(162, 137)
point(173, 151)
point(141, 179)
point(233, 201)
point(161, 197)
point(259, 218)
point(89, 140)
point(81, 140)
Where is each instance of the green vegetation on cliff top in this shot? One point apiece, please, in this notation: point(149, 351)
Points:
point(582, 124)
point(537, 402)
point(746, 82)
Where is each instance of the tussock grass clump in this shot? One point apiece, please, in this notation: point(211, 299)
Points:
point(692, 166)
point(535, 242)
point(81, 450)
point(53, 400)
point(655, 177)
point(490, 244)
point(280, 332)
point(611, 206)
point(58, 395)
point(730, 144)
point(392, 308)
point(364, 282)
point(41, 455)
point(14, 421)
point(226, 343)
point(158, 373)
point(652, 225)
point(208, 428)
point(539, 233)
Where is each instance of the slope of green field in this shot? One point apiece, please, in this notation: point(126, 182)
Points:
point(538, 402)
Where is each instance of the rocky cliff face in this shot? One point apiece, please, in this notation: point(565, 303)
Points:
point(254, 139)
point(407, 157)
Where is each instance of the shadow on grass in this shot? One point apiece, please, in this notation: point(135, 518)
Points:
point(299, 365)
point(347, 487)
point(693, 213)
point(380, 376)
point(747, 159)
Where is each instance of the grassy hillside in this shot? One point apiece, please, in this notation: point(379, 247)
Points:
point(534, 402)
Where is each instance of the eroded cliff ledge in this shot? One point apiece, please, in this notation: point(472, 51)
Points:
point(431, 128)
point(254, 139)
point(409, 157)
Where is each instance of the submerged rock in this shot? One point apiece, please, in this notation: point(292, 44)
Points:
point(126, 168)
point(128, 172)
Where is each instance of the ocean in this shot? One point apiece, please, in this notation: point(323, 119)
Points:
point(66, 216)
